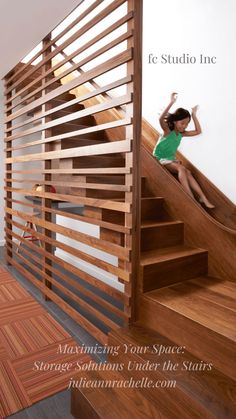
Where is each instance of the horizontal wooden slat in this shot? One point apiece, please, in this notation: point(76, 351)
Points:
point(106, 288)
point(77, 133)
point(75, 66)
point(91, 42)
point(79, 300)
point(95, 221)
point(74, 116)
point(108, 65)
point(91, 202)
point(92, 171)
point(53, 41)
point(92, 150)
point(40, 86)
point(92, 294)
point(108, 247)
point(113, 6)
point(49, 44)
point(97, 333)
point(69, 103)
point(75, 184)
point(106, 266)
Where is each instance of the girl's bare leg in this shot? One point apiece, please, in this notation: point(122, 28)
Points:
point(188, 182)
point(182, 175)
point(196, 188)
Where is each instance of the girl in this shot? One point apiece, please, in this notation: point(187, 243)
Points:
point(174, 126)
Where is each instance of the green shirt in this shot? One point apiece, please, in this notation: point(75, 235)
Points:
point(166, 147)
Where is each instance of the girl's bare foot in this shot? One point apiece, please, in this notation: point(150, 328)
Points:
point(207, 203)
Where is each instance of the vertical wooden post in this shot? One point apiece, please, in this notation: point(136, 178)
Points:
point(133, 159)
point(8, 202)
point(47, 216)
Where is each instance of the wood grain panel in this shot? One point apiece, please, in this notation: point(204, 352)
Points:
point(43, 102)
point(93, 150)
point(95, 72)
point(116, 250)
point(106, 288)
point(74, 116)
point(70, 103)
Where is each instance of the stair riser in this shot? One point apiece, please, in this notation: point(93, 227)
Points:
point(65, 97)
point(78, 142)
point(84, 120)
point(35, 86)
point(97, 161)
point(112, 236)
point(152, 209)
point(113, 216)
point(67, 127)
point(112, 179)
point(99, 136)
point(73, 108)
point(92, 212)
point(106, 194)
point(93, 193)
point(161, 274)
point(161, 236)
point(201, 341)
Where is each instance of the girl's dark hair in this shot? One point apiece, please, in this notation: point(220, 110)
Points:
point(178, 115)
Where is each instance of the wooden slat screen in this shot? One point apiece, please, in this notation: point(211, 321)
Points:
point(72, 138)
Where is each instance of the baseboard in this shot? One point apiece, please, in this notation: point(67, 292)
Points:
point(91, 270)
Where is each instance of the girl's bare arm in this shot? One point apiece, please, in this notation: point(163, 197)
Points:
point(162, 120)
point(196, 122)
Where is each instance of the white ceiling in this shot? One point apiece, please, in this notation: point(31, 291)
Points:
point(24, 23)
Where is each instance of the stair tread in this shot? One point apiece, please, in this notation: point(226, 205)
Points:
point(224, 287)
point(59, 101)
point(153, 223)
point(208, 385)
point(200, 306)
point(215, 290)
point(168, 253)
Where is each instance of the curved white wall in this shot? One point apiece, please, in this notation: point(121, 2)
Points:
point(195, 27)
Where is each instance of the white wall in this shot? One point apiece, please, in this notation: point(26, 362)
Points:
point(195, 27)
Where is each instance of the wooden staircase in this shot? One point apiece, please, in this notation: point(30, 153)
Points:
point(179, 356)
point(177, 360)
point(184, 313)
